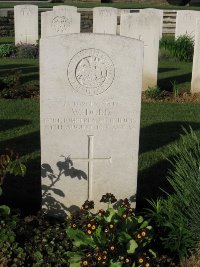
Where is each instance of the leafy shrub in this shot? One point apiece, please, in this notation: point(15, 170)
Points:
point(27, 90)
point(178, 2)
point(11, 86)
point(27, 51)
point(10, 163)
point(177, 217)
point(9, 83)
point(114, 237)
point(184, 48)
point(7, 50)
point(154, 92)
point(181, 48)
point(13, 79)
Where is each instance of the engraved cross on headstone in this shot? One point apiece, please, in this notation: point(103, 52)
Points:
point(140, 38)
point(27, 37)
point(90, 161)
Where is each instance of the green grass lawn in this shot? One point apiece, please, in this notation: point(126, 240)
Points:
point(135, 5)
point(168, 72)
point(7, 40)
point(161, 126)
point(28, 67)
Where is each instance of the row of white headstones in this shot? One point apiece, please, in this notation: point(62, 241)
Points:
point(90, 101)
point(146, 26)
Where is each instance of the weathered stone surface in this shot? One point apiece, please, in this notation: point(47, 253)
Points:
point(60, 21)
point(155, 12)
point(65, 9)
point(144, 27)
point(186, 22)
point(26, 24)
point(90, 118)
point(105, 20)
point(195, 83)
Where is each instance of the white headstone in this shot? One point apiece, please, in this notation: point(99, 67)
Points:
point(105, 20)
point(26, 24)
point(186, 22)
point(65, 9)
point(195, 84)
point(59, 21)
point(3, 12)
point(155, 12)
point(144, 27)
point(90, 118)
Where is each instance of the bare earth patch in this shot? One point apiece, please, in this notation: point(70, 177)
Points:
point(169, 97)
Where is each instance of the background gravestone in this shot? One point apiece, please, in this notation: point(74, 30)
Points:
point(66, 9)
point(26, 24)
point(155, 12)
point(90, 106)
point(105, 20)
point(195, 83)
point(144, 27)
point(186, 22)
point(59, 21)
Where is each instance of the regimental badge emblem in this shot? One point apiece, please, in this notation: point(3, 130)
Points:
point(91, 72)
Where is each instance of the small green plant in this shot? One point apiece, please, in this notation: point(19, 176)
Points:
point(112, 237)
point(154, 92)
point(11, 87)
point(181, 48)
point(184, 48)
point(175, 89)
point(10, 163)
point(7, 50)
point(27, 51)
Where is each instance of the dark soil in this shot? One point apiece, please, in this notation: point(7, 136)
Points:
point(169, 97)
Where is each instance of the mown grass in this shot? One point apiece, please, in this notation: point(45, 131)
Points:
point(7, 40)
point(168, 72)
point(161, 126)
point(135, 5)
point(28, 67)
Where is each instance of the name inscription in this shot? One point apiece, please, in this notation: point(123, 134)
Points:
point(91, 116)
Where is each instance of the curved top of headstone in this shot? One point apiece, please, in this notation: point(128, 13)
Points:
point(68, 9)
point(105, 20)
point(20, 7)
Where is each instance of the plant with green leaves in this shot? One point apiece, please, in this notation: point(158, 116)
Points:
point(181, 48)
point(113, 237)
point(175, 88)
point(154, 92)
point(7, 50)
point(177, 218)
point(10, 163)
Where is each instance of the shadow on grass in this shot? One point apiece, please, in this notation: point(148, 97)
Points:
point(12, 123)
point(166, 83)
point(149, 183)
point(30, 77)
point(161, 134)
point(6, 67)
point(24, 192)
point(153, 178)
point(161, 70)
point(24, 144)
